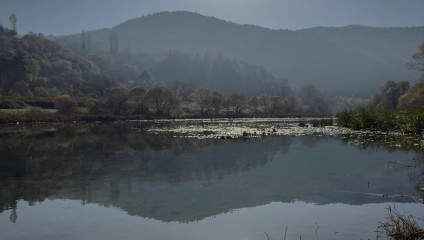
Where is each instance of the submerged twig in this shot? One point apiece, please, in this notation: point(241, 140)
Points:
point(316, 231)
point(285, 233)
point(266, 235)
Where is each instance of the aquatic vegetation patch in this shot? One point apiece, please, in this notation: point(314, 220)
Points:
point(247, 128)
point(373, 140)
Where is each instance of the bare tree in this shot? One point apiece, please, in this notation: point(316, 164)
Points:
point(162, 100)
point(13, 19)
point(116, 99)
point(136, 100)
point(203, 98)
point(277, 105)
point(254, 103)
point(315, 100)
point(307, 93)
point(264, 102)
point(237, 101)
point(217, 101)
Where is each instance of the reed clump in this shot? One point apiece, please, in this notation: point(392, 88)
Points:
point(404, 121)
point(401, 227)
point(322, 122)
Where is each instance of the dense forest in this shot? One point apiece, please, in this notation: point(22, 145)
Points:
point(33, 66)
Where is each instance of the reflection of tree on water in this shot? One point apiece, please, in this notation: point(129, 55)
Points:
point(310, 141)
point(114, 191)
point(417, 172)
point(177, 179)
point(375, 142)
point(40, 163)
point(13, 215)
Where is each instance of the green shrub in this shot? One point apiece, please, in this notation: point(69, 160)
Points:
point(405, 121)
point(65, 104)
point(322, 122)
point(93, 105)
point(40, 92)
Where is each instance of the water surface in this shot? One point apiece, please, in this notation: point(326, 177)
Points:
point(116, 181)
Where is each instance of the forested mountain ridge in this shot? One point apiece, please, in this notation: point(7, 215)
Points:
point(351, 60)
point(38, 72)
point(33, 66)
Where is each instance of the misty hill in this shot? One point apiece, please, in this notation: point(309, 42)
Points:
point(33, 66)
point(346, 60)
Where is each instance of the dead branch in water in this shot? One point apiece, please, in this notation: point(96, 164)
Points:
point(266, 235)
point(285, 233)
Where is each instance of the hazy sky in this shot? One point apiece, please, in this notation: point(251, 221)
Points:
point(71, 16)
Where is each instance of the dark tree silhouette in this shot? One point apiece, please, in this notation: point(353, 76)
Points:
point(162, 100)
point(389, 95)
point(114, 43)
point(83, 42)
point(418, 60)
point(237, 101)
point(203, 98)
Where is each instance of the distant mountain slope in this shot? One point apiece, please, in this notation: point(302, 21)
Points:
point(346, 60)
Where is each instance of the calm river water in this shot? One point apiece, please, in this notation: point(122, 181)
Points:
point(120, 182)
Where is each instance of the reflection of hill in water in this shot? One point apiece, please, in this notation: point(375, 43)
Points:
point(182, 179)
point(39, 163)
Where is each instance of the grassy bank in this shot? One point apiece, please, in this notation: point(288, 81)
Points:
point(37, 115)
point(404, 121)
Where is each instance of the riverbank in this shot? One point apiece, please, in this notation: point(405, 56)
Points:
point(235, 129)
point(34, 115)
point(402, 121)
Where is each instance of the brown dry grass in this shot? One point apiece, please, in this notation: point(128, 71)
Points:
point(400, 226)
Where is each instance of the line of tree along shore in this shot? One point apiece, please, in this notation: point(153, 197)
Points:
point(120, 103)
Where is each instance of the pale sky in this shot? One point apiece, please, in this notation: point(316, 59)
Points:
point(72, 16)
